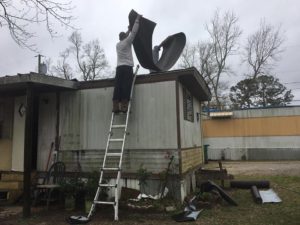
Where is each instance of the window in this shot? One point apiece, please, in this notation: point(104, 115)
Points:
point(188, 109)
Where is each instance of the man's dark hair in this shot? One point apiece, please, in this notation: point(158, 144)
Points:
point(122, 36)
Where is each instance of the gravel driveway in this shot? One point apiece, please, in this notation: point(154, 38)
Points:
point(291, 168)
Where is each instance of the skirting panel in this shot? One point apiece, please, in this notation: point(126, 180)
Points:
point(190, 158)
point(154, 161)
point(254, 153)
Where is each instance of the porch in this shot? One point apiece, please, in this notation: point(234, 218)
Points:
point(19, 110)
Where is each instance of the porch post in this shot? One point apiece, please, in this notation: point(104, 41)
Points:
point(57, 138)
point(28, 152)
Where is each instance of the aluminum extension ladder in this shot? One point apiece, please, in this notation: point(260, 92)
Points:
point(109, 154)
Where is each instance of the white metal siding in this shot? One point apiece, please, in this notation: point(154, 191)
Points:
point(95, 107)
point(234, 148)
point(69, 124)
point(153, 123)
point(46, 128)
point(18, 136)
point(85, 117)
point(154, 161)
point(267, 112)
point(190, 131)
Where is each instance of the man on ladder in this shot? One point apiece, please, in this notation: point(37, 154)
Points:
point(124, 81)
point(124, 71)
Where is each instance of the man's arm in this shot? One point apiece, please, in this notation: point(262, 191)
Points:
point(134, 30)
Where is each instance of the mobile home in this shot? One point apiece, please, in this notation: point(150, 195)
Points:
point(73, 118)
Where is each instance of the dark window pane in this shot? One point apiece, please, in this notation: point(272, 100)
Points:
point(188, 109)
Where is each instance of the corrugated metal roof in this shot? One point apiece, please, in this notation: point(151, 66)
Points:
point(19, 83)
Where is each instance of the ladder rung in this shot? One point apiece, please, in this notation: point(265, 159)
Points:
point(114, 154)
point(113, 168)
point(103, 202)
point(122, 113)
point(116, 139)
point(108, 185)
point(118, 126)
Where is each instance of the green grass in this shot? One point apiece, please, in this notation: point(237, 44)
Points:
point(247, 212)
point(287, 212)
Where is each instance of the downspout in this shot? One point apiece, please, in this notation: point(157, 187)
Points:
point(178, 126)
point(181, 181)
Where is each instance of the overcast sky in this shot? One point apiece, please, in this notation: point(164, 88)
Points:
point(105, 19)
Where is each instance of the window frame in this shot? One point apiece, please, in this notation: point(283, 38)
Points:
point(188, 105)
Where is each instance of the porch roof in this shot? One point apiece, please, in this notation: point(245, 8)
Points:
point(17, 84)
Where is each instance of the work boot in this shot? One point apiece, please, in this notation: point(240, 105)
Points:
point(124, 106)
point(116, 107)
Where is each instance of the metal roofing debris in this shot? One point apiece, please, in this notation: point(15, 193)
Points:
point(173, 45)
point(247, 184)
point(255, 194)
point(209, 186)
point(269, 196)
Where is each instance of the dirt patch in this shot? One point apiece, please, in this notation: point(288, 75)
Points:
point(103, 216)
point(6, 212)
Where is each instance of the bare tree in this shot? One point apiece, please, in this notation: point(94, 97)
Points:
point(63, 68)
point(210, 57)
point(48, 62)
point(199, 55)
point(263, 48)
point(18, 15)
point(189, 56)
point(89, 58)
point(207, 63)
point(224, 33)
point(209, 69)
point(96, 60)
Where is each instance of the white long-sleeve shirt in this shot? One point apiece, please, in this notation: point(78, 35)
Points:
point(124, 50)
